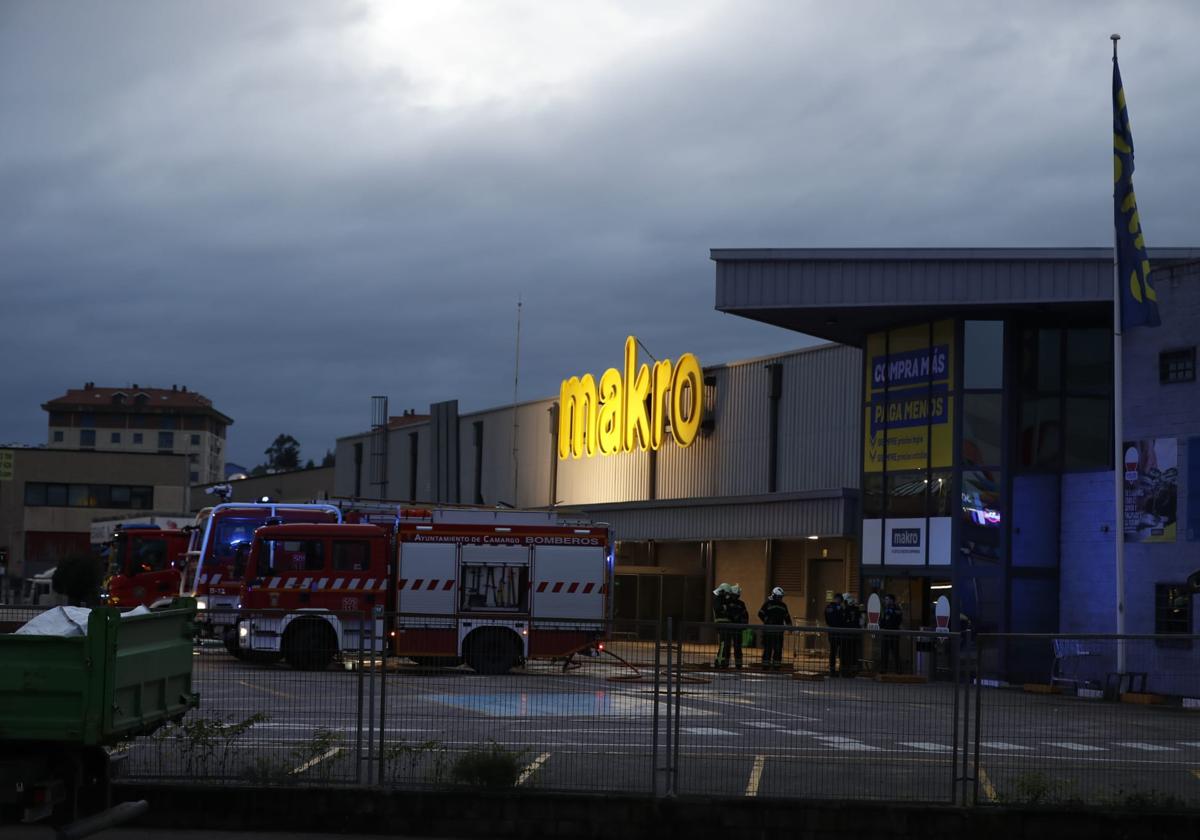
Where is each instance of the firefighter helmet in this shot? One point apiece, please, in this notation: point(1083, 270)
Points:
point(777, 593)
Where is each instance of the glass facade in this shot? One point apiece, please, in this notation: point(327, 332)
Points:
point(969, 426)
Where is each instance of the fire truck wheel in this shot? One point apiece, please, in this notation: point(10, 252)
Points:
point(309, 645)
point(436, 661)
point(491, 651)
point(231, 643)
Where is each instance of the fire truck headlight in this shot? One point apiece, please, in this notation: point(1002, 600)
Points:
point(201, 603)
point(243, 631)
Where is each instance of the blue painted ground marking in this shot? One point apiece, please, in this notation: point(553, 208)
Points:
point(561, 704)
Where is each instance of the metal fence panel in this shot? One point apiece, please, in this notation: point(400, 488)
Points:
point(1086, 732)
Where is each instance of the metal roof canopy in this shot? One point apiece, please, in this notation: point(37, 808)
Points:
point(842, 294)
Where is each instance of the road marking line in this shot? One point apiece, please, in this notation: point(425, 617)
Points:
point(928, 746)
point(1003, 745)
point(705, 730)
point(799, 732)
point(1142, 745)
point(267, 690)
point(986, 785)
point(760, 724)
point(1071, 745)
point(314, 761)
point(840, 743)
point(532, 768)
point(755, 775)
point(1190, 743)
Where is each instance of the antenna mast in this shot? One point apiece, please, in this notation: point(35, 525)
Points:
point(516, 464)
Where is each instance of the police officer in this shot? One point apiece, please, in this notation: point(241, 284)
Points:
point(891, 619)
point(852, 643)
point(720, 608)
point(835, 618)
point(773, 613)
point(735, 610)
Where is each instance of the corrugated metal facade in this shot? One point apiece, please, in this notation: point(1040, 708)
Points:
point(818, 450)
point(758, 519)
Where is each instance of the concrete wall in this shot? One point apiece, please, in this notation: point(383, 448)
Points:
point(1154, 410)
point(167, 474)
point(506, 814)
point(293, 486)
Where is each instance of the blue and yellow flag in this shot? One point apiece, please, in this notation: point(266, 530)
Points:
point(1139, 302)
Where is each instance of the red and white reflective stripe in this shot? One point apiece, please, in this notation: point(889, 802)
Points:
point(370, 584)
point(572, 587)
point(204, 578)
point(448, 585)
point(290, 583)
point(354, 582)
point(400, 583)
point(321, 583)
point(274, 584)
point(307, 583)
point(215, 579)
point(337, 584)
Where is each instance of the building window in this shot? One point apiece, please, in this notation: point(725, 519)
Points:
point(195, 440)
point(87, 420)
point(137, 437)
point(58, 437)
point(1173, 612)
point(166, 440)
point(194, 477)
point(168, 421)
point(87, 437)
point(1177, 366)
point(40, 494)
point(115, 437)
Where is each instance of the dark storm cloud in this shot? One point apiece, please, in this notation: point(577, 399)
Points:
point(242, 198)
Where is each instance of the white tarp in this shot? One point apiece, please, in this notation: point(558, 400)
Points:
point(65, 621)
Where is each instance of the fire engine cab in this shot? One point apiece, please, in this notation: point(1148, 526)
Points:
point(440, 586)
point(220, 541)
point(142, 568)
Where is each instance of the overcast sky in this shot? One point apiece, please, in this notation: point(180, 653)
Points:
point(291, 206)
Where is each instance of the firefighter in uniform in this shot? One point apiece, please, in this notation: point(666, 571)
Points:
point(773, 613)
point(891, 619)
point(835, 617)
point(852, 644)
point(736, 613)
point(720, 608)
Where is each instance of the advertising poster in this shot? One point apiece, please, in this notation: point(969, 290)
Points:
point(1151, 489)
point(909, 421)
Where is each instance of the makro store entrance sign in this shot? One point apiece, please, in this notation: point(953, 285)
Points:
point(631, 410)
point(909, 413)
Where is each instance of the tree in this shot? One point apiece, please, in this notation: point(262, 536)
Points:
point(78, 577)
point(309, 465)
point(327, 461)
point(283, 454)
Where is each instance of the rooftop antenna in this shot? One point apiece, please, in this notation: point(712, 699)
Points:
point(516, 423)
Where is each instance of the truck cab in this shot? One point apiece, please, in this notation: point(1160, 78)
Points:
point(143, 565)
point(312, 590)
point(212, 574)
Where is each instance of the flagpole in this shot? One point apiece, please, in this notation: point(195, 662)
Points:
point(1118, 434)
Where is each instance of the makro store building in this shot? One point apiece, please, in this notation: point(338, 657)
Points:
point(745, 472)
point(984, 423)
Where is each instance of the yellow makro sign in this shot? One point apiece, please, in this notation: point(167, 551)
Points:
point(630, 410)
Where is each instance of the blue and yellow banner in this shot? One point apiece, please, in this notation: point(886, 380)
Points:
point(1139, 302)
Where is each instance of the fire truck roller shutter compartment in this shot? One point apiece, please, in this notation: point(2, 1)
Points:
point(425, 599)
point(569, 583)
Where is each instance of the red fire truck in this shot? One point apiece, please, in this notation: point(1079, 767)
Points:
point(489, 587)
point(143, 565)
point(211, 574)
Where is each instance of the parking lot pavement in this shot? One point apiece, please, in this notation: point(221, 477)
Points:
point(736, 733)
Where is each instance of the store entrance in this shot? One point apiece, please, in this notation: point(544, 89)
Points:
point(825, 578)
